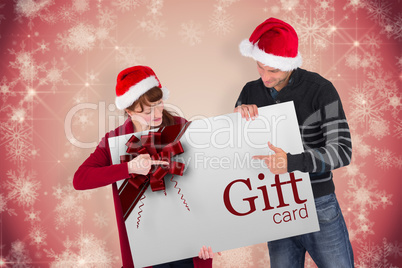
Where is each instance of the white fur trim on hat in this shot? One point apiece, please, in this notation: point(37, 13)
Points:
point(282, 63)
point(135, 91)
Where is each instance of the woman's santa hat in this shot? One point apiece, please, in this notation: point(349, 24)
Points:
point(134, 82)
point(274, 43)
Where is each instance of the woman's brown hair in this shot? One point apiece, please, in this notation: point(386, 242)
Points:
point(153, 95)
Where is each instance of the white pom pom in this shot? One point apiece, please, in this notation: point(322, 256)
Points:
point(246, 48)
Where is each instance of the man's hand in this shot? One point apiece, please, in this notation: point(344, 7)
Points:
point(142, 164)
point(207, 253)
point(278, 162)
point(247, 111)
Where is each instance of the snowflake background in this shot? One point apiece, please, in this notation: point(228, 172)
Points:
point(58, 70)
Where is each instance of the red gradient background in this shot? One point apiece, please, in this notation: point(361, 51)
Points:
point(60, 56)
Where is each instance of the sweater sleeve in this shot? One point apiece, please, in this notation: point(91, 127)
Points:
point(97, 170)
point(242, 99)
point(326, 136)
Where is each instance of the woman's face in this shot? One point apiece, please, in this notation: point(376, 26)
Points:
point(150, 116)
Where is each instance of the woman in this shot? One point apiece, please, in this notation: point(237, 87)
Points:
point(140, 94)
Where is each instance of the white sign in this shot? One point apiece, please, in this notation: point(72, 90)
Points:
point(234, 200)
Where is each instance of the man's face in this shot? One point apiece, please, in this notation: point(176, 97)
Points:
point(272, 77)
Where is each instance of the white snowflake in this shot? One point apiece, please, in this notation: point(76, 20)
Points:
point(382, 83)
point(273, 9)
point(221, 23)
point(398, 162)
point(379, 10)
point(29, 96)
point(227, 3)
point(31, 9)
point(67, 14)
point(22, 186)
point(365, 228)
point(353, 169)
point(156, 29)
point(69, 206)
point(125, 5)
point(397, 31)
point(80, 37)
point(43, 46)
point(372, 41)
point(129, 56)
point(384, 158)
point(26, 65)
point(395, 249)
point(353, 60)
point(32, 216)
point(86, 251)
point(366, 60)
point(289, 5)
point(17, 138)
point(399, 62)
point(4, 208)
point(106, 18)
point(92, 77)
point(81, 5)
point(101, 220)
point(365, 106)
point(6, 88)
point(355, 4)
point(310, 61)
point(360, 147)
point(73, 152)
point(143, 23)
point(191, 33)
point(50, 17)
point(102, 34)
point(18, 114)
point(398, 128)
point(388, 28)
point(371, 255)
point(54, 75)
point(18, 255)
point(83, 118)
point(385, 199)
point(155, 8)
point(395, 104)
point(363, 193)
point(219, 8)
point(324, 6)
point(379, 128)
point(363, 196)
point(81, 96)
point(313, 32)
point(38, 236)
point(371, 60)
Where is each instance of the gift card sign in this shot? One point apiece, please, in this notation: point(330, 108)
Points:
point(224, 198)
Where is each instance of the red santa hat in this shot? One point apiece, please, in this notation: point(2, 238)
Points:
point(275, 44)
point(134, 82)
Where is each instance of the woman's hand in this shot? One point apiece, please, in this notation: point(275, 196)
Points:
point(207, 253)
point(142, 164)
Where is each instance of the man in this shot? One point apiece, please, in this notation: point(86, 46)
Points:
point(325, 134)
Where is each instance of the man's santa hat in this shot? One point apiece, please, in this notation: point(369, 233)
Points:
point(134, 82)
point(274, 43)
